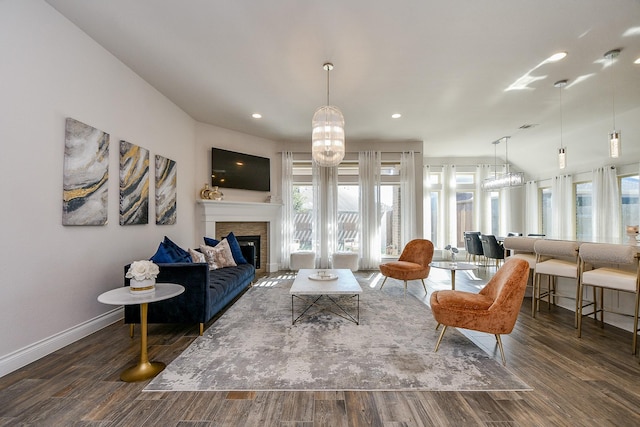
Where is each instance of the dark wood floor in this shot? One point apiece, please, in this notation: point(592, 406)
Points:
point(593, 381)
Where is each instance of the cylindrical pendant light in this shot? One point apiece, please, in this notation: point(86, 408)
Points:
point(614, 136)
point(562, 152)
point(327, 136)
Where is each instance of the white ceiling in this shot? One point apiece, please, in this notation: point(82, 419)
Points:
point(445, 65)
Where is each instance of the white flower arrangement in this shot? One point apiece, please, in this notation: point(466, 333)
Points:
point(142, 270)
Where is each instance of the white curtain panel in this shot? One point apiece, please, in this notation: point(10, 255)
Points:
point(532, 216)
point(426, 212)
point(449, 205)
point(562, 223)
point(325, 205)
point(505, 211)
point(407, 197)
point(605, 204)
point(287, 209)
point(369, 163)
point(482, 216)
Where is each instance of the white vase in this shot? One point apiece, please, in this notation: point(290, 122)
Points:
point(142, 287)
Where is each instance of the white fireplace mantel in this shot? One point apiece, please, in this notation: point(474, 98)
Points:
point(229, 211)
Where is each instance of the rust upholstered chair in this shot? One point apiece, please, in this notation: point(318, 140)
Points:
point(413, 263)
point(493, 310)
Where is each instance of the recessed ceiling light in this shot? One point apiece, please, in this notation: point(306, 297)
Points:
point(557, 57)
point(637, 61)
point(396, 116)
point(256, 115)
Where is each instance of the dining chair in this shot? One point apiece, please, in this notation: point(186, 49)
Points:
point(473, 245)
point(492, 249)
point(608, 266)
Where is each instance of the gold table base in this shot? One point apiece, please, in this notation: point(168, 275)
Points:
point(144, 369)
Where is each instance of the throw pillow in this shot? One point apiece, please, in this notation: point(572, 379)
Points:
point(179, 254)
point(162, 255)
point(211, 242)
point(218, 256)
point(233, 245)
point(235, 249)
point(197, 256)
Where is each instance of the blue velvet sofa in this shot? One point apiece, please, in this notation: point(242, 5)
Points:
point(206, 291)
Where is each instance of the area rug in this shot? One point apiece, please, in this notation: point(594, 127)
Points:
point(254, 346)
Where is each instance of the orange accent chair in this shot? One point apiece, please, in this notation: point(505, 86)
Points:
point(493, 310)
point(413, 263)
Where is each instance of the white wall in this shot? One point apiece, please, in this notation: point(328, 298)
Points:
point(51, 274)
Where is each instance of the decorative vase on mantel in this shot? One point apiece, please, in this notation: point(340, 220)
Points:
point(142, 287)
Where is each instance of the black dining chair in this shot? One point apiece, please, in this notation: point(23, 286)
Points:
point(473, 245)
point(492, 249)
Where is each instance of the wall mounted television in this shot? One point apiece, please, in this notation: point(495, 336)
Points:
point(238, 170)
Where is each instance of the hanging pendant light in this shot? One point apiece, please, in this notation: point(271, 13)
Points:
point(614, 136)
point(562, 153)
point(506, 180)
point(327, 136)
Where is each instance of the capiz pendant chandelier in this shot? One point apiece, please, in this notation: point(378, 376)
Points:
point(327, 136)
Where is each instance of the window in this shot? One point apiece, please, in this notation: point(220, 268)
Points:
point(630, 209)
point(464, 216)
point(302, 218)
point(348, 218)
point(583, 211)
point(435, 206)
point(545, 214)
point(390, 219)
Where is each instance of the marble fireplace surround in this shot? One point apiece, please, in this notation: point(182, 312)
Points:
point(213, 211)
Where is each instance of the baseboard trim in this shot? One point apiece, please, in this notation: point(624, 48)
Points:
point(22, 357)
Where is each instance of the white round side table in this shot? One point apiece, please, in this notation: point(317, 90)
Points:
point(122, 296)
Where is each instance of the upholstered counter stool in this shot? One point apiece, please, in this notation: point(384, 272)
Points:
point(615, 267)
point(554, 258)
point(522, 248)
point(347, 260)
point(302, 259)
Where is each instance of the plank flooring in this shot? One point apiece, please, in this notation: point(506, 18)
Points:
point(589, 381)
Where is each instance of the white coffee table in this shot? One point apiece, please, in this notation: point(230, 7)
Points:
point(122, 296)
point(312, 291)
point(453, 267)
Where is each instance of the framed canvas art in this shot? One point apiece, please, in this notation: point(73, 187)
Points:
point(134, 184)
point(166, 190)
point(85, 175)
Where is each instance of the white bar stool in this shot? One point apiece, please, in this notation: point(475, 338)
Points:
point(608, 274)
point(554, 258)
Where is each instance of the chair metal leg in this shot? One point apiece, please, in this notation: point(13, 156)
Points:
point(131, 328)
point(405, 288)
point(424, 286)
point(444, 328)
point(504, 361)
point(385, 279)
point(635, 323)
point(535, 294)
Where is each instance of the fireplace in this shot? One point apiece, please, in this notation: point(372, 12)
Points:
point(219, 217)
point(255, 242)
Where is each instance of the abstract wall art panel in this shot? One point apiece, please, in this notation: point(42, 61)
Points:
point(134, 184)
point(166, 189)
point(85, 175)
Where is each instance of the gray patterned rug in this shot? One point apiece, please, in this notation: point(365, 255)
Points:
point(253, 346)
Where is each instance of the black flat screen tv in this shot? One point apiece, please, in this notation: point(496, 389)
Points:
point(238, 170)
